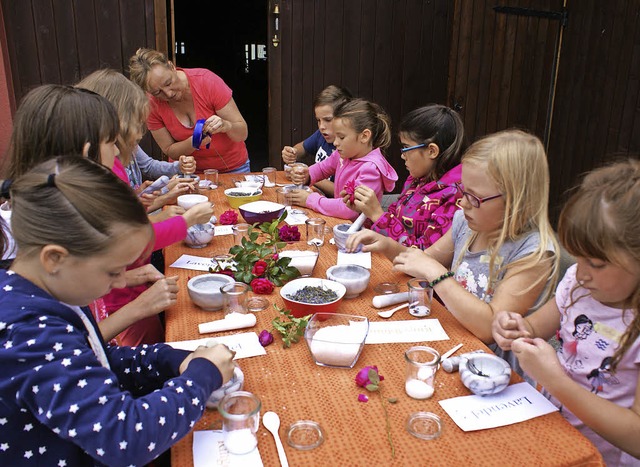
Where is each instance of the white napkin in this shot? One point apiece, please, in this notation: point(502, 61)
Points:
point(209, 451)
point(295, 219)
point(361, 259)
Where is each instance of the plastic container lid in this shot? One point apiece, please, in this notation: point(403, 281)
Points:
point(305, 435)
point(386, 288)
point(424, 425)
point(257, 304)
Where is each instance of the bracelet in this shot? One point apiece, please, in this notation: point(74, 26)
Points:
point(446, 275)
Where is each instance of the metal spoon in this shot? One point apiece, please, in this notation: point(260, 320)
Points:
point(271, 422)
point(389, 313)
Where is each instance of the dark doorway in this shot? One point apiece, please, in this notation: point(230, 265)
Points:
point(229, 38)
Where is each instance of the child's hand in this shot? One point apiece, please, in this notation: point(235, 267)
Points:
point(160, 296)
point(142, 275)
point(370, 241)
point(220, 355)
point(147, 199)
point(179, 189)
point(188, 163)
point(289, 155)
point(199, 214)
point(298, 197)
point(508, 326)
point(175, 181)
point(366, 202)
point(538, 359)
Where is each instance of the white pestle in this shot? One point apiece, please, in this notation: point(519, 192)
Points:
point(230, 322)
point(357, 224)
point(380, 301)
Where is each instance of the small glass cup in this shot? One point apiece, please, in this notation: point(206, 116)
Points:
point(269, 176)
point(281, 196)
point(315, 231)
point(420, 295)
point(421, 365)
point(240, 231)
point(211, 175)
point(240, 412)
point(235, 298)
point(299, 172)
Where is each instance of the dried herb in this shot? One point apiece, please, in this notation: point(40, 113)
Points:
point(314, 294)
point(291, 329)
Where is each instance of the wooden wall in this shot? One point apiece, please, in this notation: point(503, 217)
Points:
point(394, 52)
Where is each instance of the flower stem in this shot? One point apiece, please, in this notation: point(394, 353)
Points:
point(388, 424)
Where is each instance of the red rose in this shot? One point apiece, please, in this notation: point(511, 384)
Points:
point(226, 272)
point(229, 217)
point(259, 268)
point(262, 286)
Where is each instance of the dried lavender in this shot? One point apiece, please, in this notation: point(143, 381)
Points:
point(315, 295)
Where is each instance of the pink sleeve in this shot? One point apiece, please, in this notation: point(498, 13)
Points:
point(169, 231)
point(330, 206)
point(324, 169)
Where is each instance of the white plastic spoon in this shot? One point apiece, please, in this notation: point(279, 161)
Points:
point(389, 313)
point(271, 422)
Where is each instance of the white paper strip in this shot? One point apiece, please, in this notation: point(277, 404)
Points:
point(245, 344)
point(387, 332)
point(196, 263)
point(209, 451)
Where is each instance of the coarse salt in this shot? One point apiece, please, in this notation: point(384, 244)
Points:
point(240, 441)
point(303, 261)
point(418, 389)
point(337, 345)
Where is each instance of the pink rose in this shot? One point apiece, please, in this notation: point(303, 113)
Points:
point(265, 338)
point(362, 378)
point(262, 286)
point(259, 268)
point(289, 233)
point(350, 189)
point(229, 217)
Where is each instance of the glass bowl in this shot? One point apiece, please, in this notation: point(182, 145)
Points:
point(336, 340)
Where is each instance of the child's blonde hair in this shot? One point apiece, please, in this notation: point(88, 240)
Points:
point(516, 163)
point(601, 220)
point(129, 100)
point(364, 115)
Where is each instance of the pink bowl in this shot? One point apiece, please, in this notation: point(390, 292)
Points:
point(300, 309)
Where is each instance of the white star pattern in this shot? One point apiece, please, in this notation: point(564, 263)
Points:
point(30, 342)
point(66, 362)
point(8, 344)
point(189, 383)
point(3, 421)
point(82, 383)
point(72, 433)
point(56, 430)
point(145, 406)
point(37, 367)
point(35, 389)
point(174, 435)
point(162, 421)
point(28, 454)
point(181, 411)
point(122, 416)
point(100, 452)
point(151, 446)
point(42, 325)
point(171, 383)
point(62, 463)
point(138, 426)
point(28, 427)
point(193, 422)
point(77, 352)
point(48, 414)
point(56, 387)
point(7, 288)
point(4, 446)
point(102, 400)
point(195, 401)
point(73, 408)
point(97, 427)
point(3, 325)
point(42, 449)
point(108, 381)
point(127, 371)
point(49, 357)
point(164, 399)
point(69, 329)
point(179, 390)
point(123, 445)
point(57, 346)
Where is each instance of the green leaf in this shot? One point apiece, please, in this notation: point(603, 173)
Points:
point(392, 400)
point(374, 377)
point(371, 387)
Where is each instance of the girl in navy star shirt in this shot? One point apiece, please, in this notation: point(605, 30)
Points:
point(66, 399)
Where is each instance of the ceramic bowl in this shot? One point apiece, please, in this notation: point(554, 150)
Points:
point(484, 374)
point(189, 201)
point(239, 196)
point(355, 278)
point(336, 340)
point(204, 290)
point(199, 235)
point(340, 236)
point(261, 211)
point(300, 309)
point(234, 384)
point(248, 184)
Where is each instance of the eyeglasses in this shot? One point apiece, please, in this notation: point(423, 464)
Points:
point(411, 148)
point(473, 199)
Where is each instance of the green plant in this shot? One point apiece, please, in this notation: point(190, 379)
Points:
point(291, 329)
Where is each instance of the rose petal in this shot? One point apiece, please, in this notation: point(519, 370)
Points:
point(363, 398)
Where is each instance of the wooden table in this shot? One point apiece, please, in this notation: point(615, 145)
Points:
point(289, 383)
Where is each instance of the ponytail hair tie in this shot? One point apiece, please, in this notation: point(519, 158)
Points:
point(5, 188)
point(51, 180)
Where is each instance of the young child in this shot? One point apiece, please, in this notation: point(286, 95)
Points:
point(66, 398)
point(54, 119)
point(500, 251)
point(362, 132)
point(320, 143)
point(594, 377)
point(432, 140)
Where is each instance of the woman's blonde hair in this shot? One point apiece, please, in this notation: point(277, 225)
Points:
point(141, 63)
point(516, 163)
point(601, 220)
point(73, 202)
point(130, 102)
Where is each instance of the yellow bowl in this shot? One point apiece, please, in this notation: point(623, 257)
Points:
point(239, 196)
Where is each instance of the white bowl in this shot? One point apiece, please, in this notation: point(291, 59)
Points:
point(199, 235)
point(189, 201)
point(355, 278)
point(484, 374)
point(204, 290)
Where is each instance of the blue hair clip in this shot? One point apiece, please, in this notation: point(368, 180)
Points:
point(198, 135)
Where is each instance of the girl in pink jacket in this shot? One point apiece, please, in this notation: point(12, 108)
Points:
point(362, 131)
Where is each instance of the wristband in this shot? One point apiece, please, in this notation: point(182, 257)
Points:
point(446, 275)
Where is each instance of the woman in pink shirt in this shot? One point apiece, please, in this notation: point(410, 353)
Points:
point(362, 131)
point(179, 98)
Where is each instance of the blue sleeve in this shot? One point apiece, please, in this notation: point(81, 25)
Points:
point(312, 143)
point(151, 168)
point(67, 390)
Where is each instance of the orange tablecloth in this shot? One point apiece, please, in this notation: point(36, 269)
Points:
point(289, 383)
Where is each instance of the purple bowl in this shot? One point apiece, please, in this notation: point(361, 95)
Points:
point(261, 211)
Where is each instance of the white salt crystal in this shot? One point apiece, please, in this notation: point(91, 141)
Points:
point(418, 389)
point(240, 441)
point(337, 345)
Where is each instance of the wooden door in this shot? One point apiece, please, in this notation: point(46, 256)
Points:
point(394, 52)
